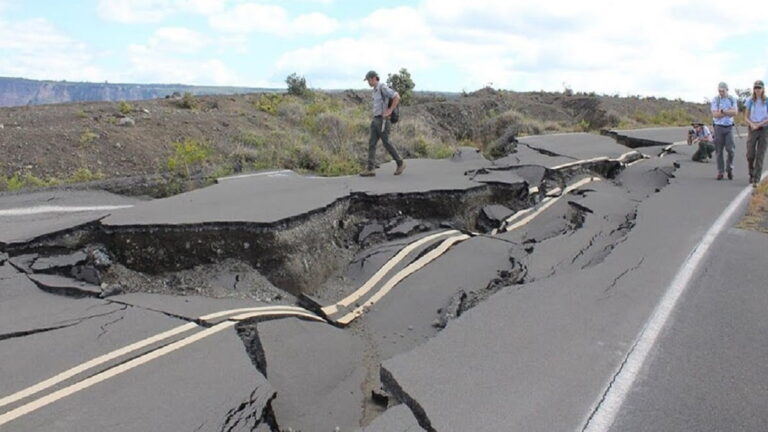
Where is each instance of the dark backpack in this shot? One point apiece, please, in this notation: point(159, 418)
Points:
point(395, 116)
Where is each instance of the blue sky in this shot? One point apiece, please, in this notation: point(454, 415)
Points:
point(672, 48)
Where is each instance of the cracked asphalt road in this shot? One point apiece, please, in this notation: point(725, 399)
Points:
point(518, 326)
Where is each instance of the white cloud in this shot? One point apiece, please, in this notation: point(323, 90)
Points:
point(134, 11)
point(271, 19)
point(154, 11)
point(37, 49)
point(150, 65)
point(664, 48)
point(178, 40)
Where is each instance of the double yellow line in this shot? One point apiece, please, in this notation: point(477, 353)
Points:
point(234, 316)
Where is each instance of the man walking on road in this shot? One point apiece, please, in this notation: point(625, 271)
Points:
point(757, 120)
point(723, 109)
point(380, 125)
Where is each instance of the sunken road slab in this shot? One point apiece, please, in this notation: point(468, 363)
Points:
point(317, 371)
point(87, 329)
point(208, 385)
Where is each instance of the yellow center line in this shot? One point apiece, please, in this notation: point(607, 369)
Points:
point(402, 274)
point(368, 285)
point(109, 373)
point(138, 361)
point(549, 203)
point(69, 373)
point(29, 391)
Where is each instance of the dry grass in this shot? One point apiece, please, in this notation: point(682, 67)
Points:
point(756, 218)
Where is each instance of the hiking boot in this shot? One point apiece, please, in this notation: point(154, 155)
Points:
point(400, 168)
point(368, 173)
point(719, 176)
point(730, 175)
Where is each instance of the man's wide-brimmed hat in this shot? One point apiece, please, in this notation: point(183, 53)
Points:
point(370, 74)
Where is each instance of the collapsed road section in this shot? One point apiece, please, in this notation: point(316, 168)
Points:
point(390, 262)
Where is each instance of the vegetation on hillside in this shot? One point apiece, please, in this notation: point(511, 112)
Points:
point(324, 133)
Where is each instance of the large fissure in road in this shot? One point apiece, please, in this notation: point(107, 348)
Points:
point(332, 260)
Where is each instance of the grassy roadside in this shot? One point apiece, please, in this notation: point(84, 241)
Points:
point(756, 218)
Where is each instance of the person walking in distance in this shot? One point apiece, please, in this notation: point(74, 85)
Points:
point(380, 125)
point(757, 120)
point(723, 109)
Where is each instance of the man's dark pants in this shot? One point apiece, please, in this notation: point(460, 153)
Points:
point(376, 134)
point(756, 152)
point(724, 140)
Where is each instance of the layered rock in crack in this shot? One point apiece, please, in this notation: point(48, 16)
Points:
point(317, 371)
point(227, 279)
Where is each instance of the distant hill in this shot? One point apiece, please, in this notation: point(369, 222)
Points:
point(22, 92)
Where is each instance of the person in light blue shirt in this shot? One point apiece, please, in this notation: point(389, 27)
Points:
point(757, 120)
point(724, 108)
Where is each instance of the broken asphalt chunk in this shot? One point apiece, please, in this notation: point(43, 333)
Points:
point(56, 262)
point(55, 284)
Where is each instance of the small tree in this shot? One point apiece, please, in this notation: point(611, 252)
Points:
point(297, 85)
point(403, 84)
point(742, 96)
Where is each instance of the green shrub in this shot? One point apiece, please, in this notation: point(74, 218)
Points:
point(26, 180)
point(297, 85)
point(188, 154)
point(252, 139)
point(125, 108)
point(188, 101)
point(87, 136)
point(403, 85)
point(84, 175)
point(268, 102)
point(221, 171)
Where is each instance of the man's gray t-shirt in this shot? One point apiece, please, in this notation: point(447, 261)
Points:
point(380, 103)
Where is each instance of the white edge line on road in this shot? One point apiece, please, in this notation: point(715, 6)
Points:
point(26, 211)
point(608, 405)
point(266, 173)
